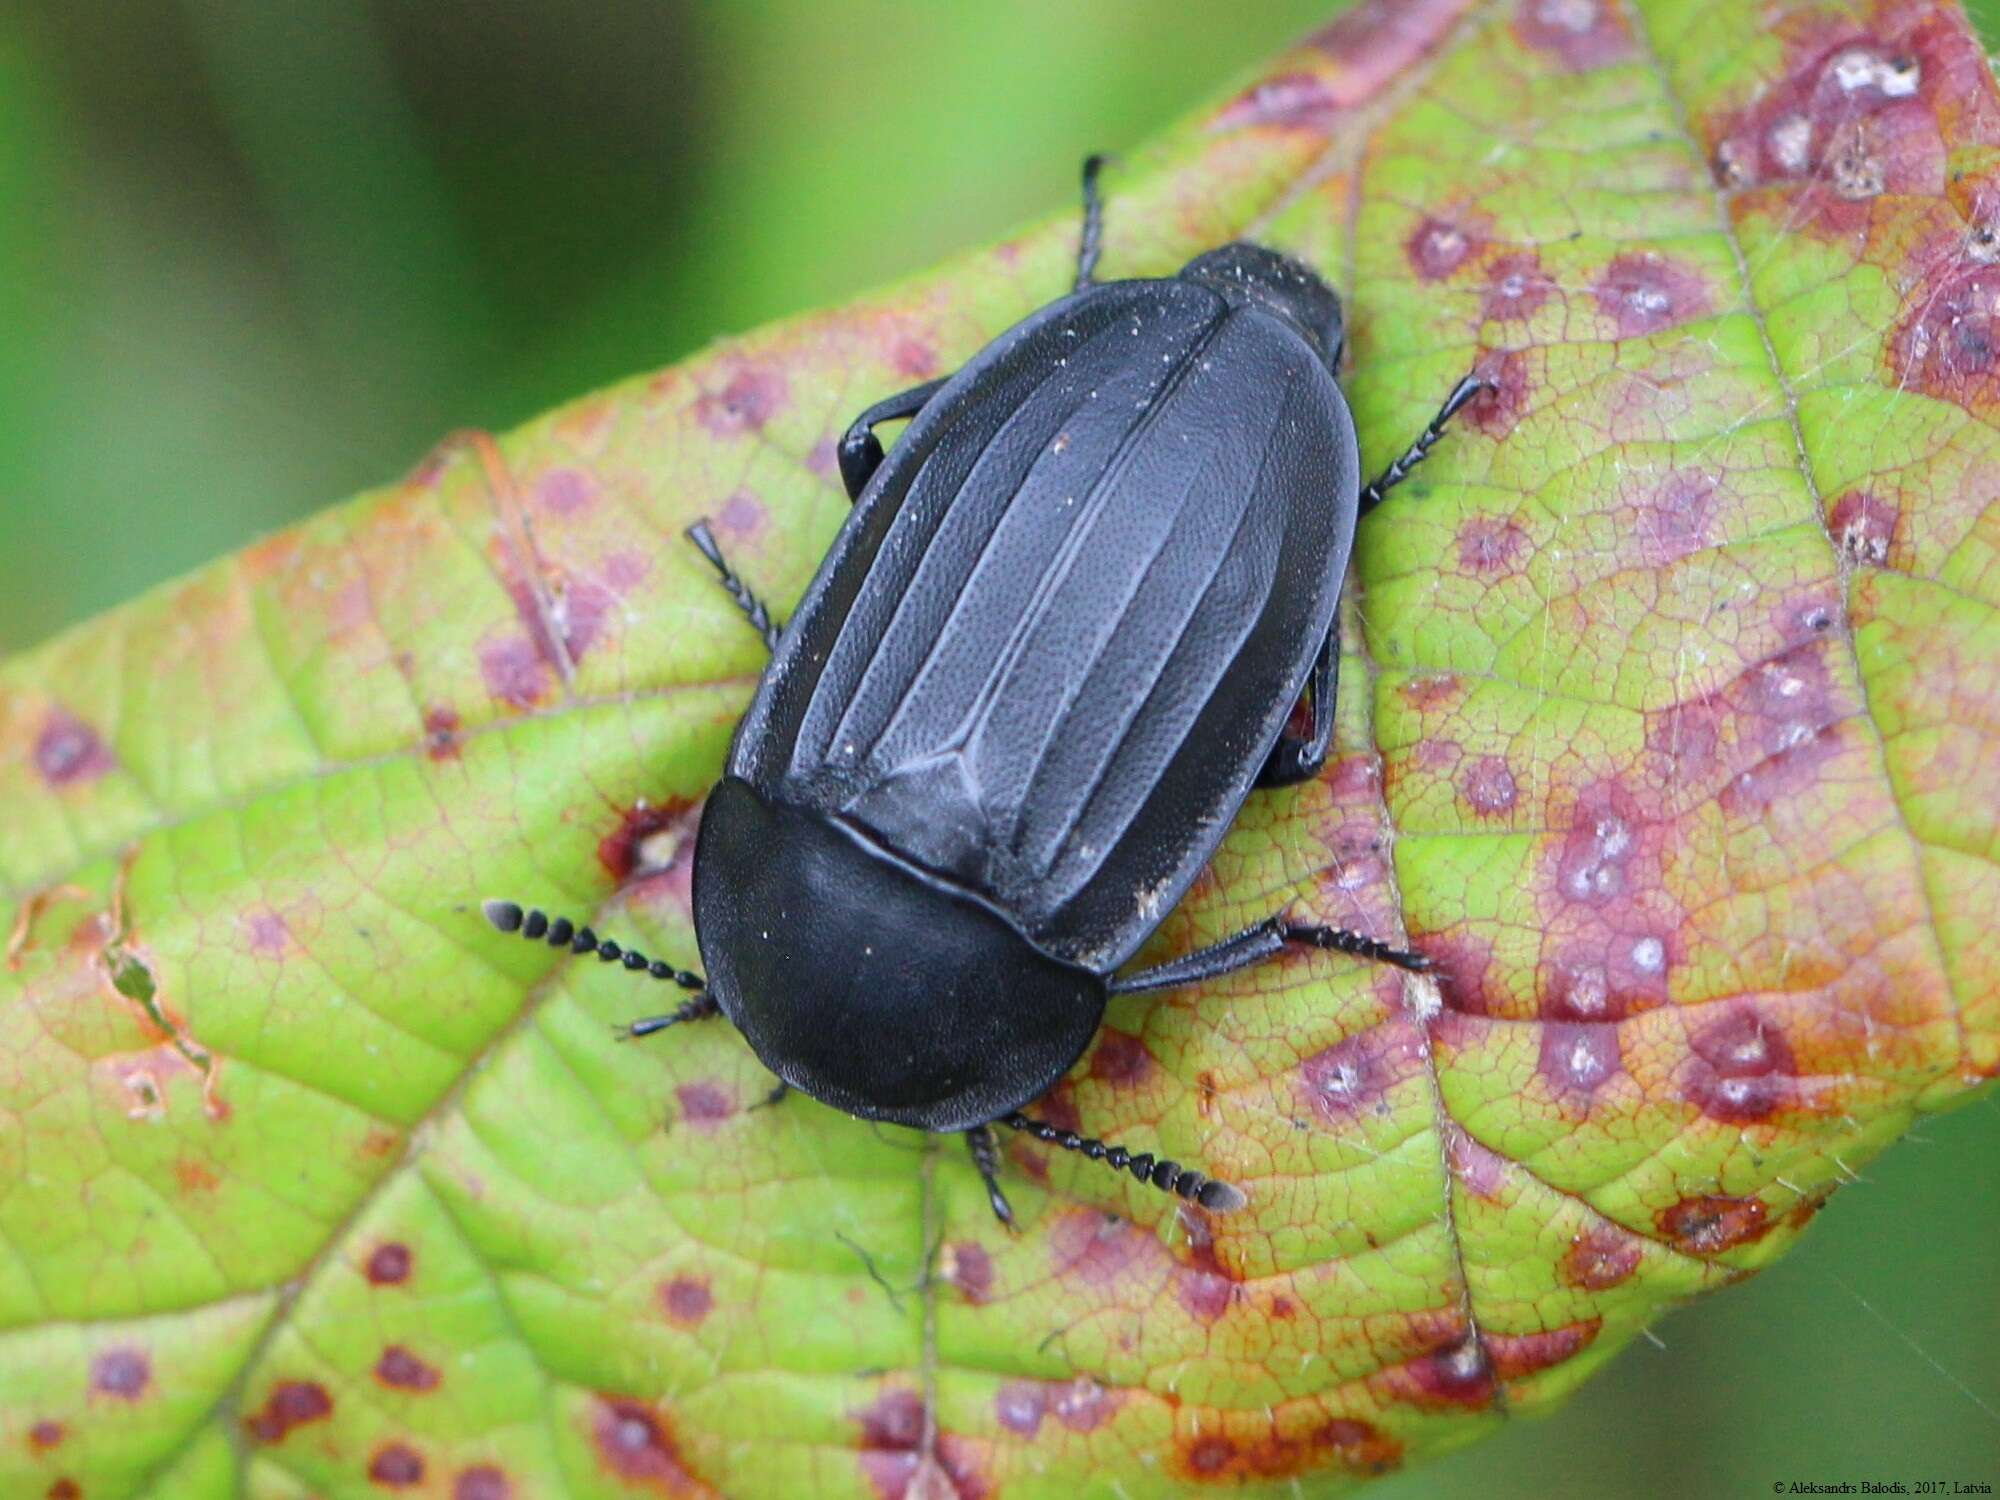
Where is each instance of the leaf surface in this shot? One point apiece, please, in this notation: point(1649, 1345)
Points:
point(1671, 724)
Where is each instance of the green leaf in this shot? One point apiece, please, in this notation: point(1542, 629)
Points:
point(1669, 725)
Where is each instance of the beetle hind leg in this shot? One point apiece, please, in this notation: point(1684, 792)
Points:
point(760, 618)
point(1297, 758)
point(1418, 451)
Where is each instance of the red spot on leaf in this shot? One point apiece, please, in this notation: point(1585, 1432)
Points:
point(195, 1176)
point(389, 1264)
point(1353, 1077)
point(267, 933)
point(687, 1300)
point(515, 673)
point(1863, 527)
point(1599, 1259)
point(1204, 1285)
point(1488, 786)
point(1101, 1250)
point(1672, 522)
point(651, 840)
point(1377, 41)
point(395, 1466)
point(1490, 544)
point(1432, 690)
point(441, 726)
point(1712, 1223)
point(65, 1489)
point(1240, 1452)
point(892, 1432)
point(566, 491)
point(635, 1444)
point(1437, 247)
point(292, 1403)
point(122, 1373)
point(705, 1104)
point(1517, 1354)
point(1643, 292)
point(400, 1368)
point(1597, 858)
point(1120, 1059)
point(967, 1266)
point(45, 1435)
point(1740, 1066)
point(481, 1482)
point(914, 359)
point(752, 396)
point(1081, 1405)
point(1579, 34)
point(1484, 1172)
point(1578, 1059)
point(1516, 287)
point(1461, 962)
point(68, 751)
point(742, 515)
point(1787, 708)
point(1459, 1375)
point(1496, 410)
point(1284, 99)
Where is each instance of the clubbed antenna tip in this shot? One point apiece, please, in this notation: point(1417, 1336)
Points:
point(505, 915)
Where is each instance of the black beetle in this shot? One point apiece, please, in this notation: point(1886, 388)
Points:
point(1052, 650)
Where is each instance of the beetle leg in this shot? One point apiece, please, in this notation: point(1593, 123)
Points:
point(1090, 242)
point(1293, 759)
point(1418, 451)
point(986, 1160)
point(753, 609)
point(1167, 1176)
point(776, 1096)
point(1255, 944)
point(860, 450)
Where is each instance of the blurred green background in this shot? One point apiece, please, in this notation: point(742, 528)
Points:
point(254, 257)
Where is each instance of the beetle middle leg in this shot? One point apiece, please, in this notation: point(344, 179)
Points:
point(1253, 945)
point(1418, 451)
point(986, 1161)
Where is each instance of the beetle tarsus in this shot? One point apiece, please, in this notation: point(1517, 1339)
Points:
point(985, 1152)
point(700, 1008)
point(1417, 452)
point(860, 451)
point(1358, 944)
point(1090, 242)
point(1166, 1175)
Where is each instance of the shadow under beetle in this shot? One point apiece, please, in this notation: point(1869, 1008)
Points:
point(1054, 647)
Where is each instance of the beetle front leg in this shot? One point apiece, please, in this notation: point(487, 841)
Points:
point(1294, 759)
point(860, 451)
point(986, 1160)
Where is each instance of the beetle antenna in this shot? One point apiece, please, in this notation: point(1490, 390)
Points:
point(560, 932)
point(1091, 243)
point(1167, 1176)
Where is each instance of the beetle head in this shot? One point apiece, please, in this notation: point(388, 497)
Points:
point(1244, 272)
point(870, 985)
